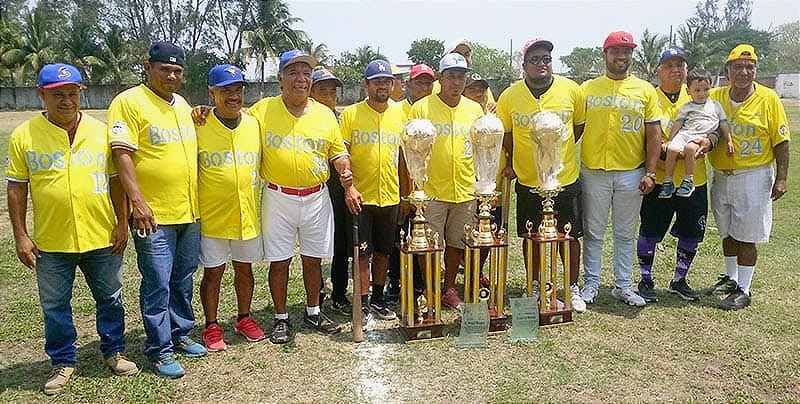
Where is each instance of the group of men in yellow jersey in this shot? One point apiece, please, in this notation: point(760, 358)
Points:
point(258, 180)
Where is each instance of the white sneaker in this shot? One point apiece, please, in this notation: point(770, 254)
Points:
point(628, 296)
point(576, 300)
point(588, 293)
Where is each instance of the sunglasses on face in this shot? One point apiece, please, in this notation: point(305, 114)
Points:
point(534, 60)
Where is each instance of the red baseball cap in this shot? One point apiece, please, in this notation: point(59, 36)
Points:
point(619, 38)
point(420, 69)
point(537, 42)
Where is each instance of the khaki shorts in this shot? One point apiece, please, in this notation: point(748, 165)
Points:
point(448, 219)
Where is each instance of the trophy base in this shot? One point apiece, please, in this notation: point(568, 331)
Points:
point(555, 317)
point(499, 323)
point(427, 330)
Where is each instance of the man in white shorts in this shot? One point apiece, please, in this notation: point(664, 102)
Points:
point(229, 151)
point(745, 185)
point(299, 137)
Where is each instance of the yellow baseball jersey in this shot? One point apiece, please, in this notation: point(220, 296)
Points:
point(406, 110)
point(451, 173)
point(72, 212)
point(669, 110)
point(295, 151)
point(374, 143)
point(164, 142)
point(616, 114)
point(437, 87)
point(516, 108)
point(757, 125)
point(229, 181)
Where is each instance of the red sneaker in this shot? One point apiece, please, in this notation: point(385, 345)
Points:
point(249, 329)
point(451, 299)
point(213, 338)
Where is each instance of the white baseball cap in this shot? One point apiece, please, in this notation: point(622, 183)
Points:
point(453, 61)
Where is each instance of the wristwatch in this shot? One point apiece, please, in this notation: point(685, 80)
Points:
point(651, 175)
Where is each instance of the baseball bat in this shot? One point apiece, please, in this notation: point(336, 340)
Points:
point(358, 331)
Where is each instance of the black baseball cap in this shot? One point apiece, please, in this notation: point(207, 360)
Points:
point(166, 52)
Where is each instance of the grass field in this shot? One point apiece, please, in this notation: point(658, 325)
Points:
point(667, 351)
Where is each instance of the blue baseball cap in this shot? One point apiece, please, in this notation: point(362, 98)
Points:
point(166, 52)
point(323, 74)
point(378, 68)
point(672, 52)
point(222, 75)
point(453, 61)
point(293, 56)
point(59, 74)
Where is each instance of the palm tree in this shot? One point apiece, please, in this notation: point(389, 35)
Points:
point(645, 59)
point(698, 45)
point(81, 48)
point(34, 46)
point(318, 51)
point(117, 55)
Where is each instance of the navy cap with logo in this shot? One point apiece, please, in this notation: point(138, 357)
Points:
point(673, 52)
point(223, 75)
point(293, 56)
point(166, 52)
point(378, 68)
point(59, 74)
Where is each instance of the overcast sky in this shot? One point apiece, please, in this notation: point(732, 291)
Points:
point(391, 26)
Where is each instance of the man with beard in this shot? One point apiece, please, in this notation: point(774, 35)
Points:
point(690, 213)
point(621, 144)
point(371, 129)
point(541, 90)
point(451, 173)
point(300, 137)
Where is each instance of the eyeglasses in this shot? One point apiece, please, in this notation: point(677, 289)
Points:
point(536, 59)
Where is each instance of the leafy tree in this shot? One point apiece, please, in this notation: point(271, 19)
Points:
point(318, 51)
point(737, 14)
point(698, 45)
point(784, 50)
point(349, 66)
point(493, 64)
point(118, 57)
point(234, 19)
point(646, 55)
point(426, 50)
point(706, 16)
point(81, 49)
point(584, 63)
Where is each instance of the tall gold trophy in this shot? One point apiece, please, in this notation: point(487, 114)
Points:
point(542, 245)
point(420, 318)
point(487, 141)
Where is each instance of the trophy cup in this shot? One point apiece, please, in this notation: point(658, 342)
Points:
point(486, 135)
point(420, 242)
point(542, 246)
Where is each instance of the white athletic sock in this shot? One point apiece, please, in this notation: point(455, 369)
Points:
point(312, 311)
point(746, 277)
point(732, 267)
point(281, 316)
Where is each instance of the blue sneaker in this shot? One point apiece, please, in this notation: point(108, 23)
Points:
point(168, 368)
point(191, 349)
point(686, 189)
point(667, 188)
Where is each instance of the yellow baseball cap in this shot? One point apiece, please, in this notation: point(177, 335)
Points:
point(742, 52)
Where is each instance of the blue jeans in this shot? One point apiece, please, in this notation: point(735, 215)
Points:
point(55, 274)
point(618, 192)
point(167, 260)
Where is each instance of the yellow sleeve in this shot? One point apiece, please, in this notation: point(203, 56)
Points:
point(346, 123)
point(779, 124)
point(652, 112)
point(579, 114)
point(503, 112)
point(337, 148)
point(18, 170)
point(123, 123)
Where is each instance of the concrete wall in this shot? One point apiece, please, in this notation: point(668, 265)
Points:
point(99, 97)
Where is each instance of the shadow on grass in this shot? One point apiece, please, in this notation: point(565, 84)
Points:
point(30, 376)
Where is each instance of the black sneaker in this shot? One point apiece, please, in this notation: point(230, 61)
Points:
point(281, 332)
point(392, 295)
point(321, 323)
point(682, 289)
point(647, 290)
point(342, 305)
point(736, 300)
point(381, 311)
point(724, 286)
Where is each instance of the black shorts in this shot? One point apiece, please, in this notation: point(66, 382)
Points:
point(568, 208)
point(376, 229)
point(690, 215)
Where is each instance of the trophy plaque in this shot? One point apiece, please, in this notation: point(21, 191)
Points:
point(474, 324)
point(525, 325)
point(486, 136)
point(543, 244)
point(420, 317)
